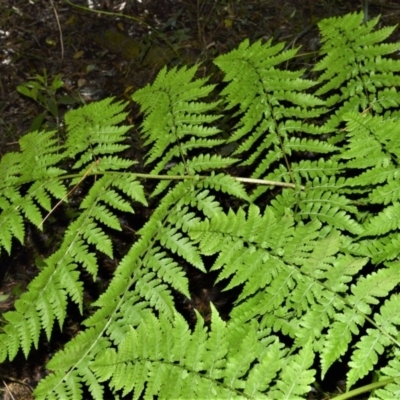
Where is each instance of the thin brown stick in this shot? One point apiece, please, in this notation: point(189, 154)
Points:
point(59, 29)
point(270, 183)
point(264, 182)
point(8, 390)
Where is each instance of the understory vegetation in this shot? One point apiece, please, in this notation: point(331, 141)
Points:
point(282, 183)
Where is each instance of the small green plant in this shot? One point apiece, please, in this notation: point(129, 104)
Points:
point(310, 242)
point(44, 92)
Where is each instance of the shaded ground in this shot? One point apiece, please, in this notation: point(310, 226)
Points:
point(99, 54)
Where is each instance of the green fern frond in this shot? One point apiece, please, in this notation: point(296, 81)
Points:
point(40, 154)
point(92, 132)
point(273, 105)
point(365, 147)
point(66, 383)
point(174, 94)
point(385, 248)
point(390, 376)
point(168, 270)
point(36, 166)
point(388, 193)
point(375, 170)
point(148, 289)
point(365, 294)
point(310, 169)
point(40, 306)
point(384, 222)
point(173, 240)
point(48, 294)
point(372, 345)
point(225, 184)
point(313, 146)
point(196, 165)
point(353, 62)
point(155, 293)
point(145, 357)
point(43, 191)
point(297, 376)
point(329, 208)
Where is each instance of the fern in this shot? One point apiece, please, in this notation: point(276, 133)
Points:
point(354, 65)
point(307, 241)
point(274, 106)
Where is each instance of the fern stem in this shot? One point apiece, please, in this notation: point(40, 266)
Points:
point(255, 181)
point(265, 182)
point(268, 182)
point(364, 389)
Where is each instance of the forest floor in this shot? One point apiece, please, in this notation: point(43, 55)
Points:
point(113, 49)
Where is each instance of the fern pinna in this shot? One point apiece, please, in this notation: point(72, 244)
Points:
point(310, 244)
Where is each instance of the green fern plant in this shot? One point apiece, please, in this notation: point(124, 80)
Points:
point(314, 266)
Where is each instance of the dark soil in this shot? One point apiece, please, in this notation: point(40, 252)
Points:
point(112, 50)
